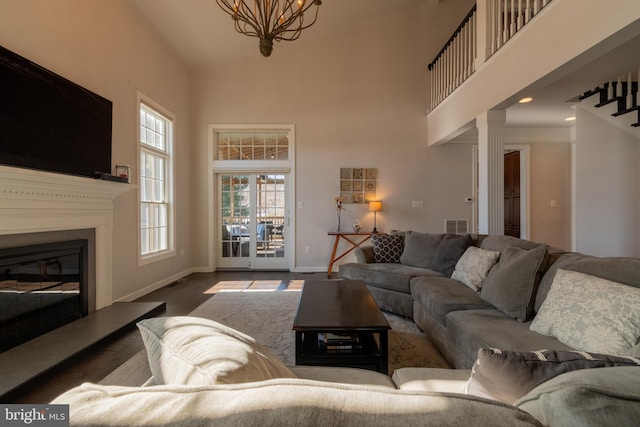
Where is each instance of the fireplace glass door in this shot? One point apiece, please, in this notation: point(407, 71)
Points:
point(42, 287)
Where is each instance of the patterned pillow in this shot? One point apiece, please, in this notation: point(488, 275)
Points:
point(474, 265)
point(387, 248)
point(509, 375)
point(590, 313)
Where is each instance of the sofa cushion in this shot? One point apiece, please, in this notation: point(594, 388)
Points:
point(471, 330)
point(281, 402)
point(190, 350)
point(336, 374)
point(508, 375)
point(590, 397)
point(389, 276)
point(387, 248)
point(450, 249)
point(511, 283)
point(474, 265)
point(499, 243)
point(431, 379)
point(617, 269)
point(441, 295)
point(419, 248)
point(590, 313)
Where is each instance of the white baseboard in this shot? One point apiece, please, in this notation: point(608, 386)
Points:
point(310, 270)
point(154, 286)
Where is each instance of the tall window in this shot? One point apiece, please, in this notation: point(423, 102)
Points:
point(156, 230)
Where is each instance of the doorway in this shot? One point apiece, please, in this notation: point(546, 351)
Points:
point(524, 182)
point(253, 222)
point(512, 194)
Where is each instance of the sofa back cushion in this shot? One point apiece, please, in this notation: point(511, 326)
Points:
point(282, 402)
point(450, 249)
point(512, 282)
point(420, 248)
point(617, 269)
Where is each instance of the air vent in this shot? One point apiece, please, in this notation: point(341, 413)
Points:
point(456, 226)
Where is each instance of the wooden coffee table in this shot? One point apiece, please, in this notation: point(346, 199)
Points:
point(338, 323)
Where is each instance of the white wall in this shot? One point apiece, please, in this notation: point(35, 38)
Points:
point(358, 99)
point(105, 46)
point(551, 181)
point(606, 188)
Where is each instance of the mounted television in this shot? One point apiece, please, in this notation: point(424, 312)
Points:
point(50, 123)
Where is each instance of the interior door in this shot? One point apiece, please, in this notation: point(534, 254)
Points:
point(512, 194)
point(253, 221)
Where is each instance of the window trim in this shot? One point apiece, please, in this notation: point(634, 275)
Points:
point(144, 259)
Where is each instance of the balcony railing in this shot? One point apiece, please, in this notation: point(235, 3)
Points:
point(459, 57)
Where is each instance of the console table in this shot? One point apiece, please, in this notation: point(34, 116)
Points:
point(354, 240)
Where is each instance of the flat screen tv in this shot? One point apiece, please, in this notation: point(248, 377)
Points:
point(50, 123)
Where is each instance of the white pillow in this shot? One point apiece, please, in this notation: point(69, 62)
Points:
point(186, 350)
point(590, 314)
point(474, 265)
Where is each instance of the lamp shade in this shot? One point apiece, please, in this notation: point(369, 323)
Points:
point(375, 206)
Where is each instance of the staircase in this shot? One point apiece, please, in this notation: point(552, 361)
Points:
point(622, 94)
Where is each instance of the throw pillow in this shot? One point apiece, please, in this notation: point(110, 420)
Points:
point(387, 248)
point(591, 397)
point(186, 350)
point(474, 265)
point(509, 375)
point(450, 249)
point(590, 313)
point(510, 285)
point(419, 248)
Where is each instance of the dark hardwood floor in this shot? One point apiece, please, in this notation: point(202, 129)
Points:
point(181, 297)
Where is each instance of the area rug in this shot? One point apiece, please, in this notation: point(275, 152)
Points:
point(268, 317)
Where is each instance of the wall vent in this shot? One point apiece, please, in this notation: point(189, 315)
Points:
point(456, 226)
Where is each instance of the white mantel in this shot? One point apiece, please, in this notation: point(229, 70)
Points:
point(35, 201)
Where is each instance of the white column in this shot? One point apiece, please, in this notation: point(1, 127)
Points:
point(490, 126)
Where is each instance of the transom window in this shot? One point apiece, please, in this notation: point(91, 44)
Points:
point(251, 145)
point(156, 133)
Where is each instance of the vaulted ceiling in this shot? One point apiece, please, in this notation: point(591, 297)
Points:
point(203, 35)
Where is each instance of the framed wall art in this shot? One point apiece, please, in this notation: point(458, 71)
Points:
point(358, 185)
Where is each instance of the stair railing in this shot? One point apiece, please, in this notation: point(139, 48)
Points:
point(623, 92)
point(457, 60)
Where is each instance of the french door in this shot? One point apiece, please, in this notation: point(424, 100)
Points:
point(253, 220)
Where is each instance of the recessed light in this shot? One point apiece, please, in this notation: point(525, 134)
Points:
point(525, 100)
point(570, 119)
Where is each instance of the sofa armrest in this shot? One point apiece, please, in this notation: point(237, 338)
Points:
point(364, 254)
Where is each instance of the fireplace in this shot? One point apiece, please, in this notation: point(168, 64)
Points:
point(41, 208)
point(42, 287)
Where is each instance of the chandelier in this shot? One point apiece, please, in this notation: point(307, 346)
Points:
point(270, 20)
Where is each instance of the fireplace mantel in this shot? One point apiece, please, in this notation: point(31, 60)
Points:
point(35, 201)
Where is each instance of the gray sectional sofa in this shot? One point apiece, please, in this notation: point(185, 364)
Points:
point(460, 320)
point(467, 294)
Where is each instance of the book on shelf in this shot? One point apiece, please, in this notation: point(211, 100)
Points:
point(331, 342)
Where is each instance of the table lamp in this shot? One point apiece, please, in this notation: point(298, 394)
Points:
point(375, 206)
